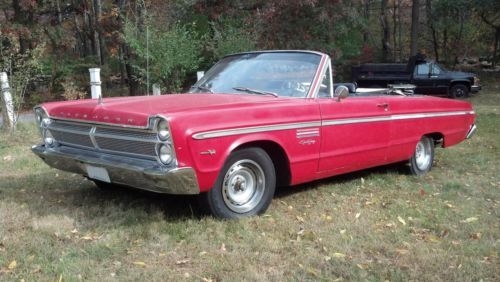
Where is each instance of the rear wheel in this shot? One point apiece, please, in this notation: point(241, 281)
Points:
point(245, 186)
point(459, 91)
point(423, 157)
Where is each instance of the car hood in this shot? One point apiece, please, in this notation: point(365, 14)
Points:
point(135, 111)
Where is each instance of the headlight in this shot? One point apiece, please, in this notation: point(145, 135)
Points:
point(163, 131)
point(476, 80)
point(40, 115)
point(165, 154)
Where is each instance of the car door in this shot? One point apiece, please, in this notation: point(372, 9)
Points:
point(354, 133)
point(421, 78)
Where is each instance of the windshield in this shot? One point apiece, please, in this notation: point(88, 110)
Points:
point(288, 74)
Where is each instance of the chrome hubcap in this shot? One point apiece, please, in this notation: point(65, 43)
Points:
point(423, 155)
point(243, 186)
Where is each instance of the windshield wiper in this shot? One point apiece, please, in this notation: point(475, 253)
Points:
point(255, 91)
point(203, 88)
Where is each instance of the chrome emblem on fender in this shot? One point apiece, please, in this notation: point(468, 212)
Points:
point(208, 152)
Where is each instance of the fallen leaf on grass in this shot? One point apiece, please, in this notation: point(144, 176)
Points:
point(139, 263)
point(223, 247)
point(339, 255)
point(432, 238)
point(400, 219)
point(362, 266)
point(7, 158)
point(422, 192)
point(342, 231)
point(476, 236)
point(402, 252)
point(182, 261)
point(12, 265)
point(358, 215)
point(300, 218)
point(470, 219)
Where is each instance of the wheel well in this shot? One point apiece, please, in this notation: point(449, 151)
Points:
point(467, 84)
point(279, 158)
point(437, 137)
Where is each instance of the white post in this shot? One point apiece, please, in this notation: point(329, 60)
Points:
point(156, 90)
point(7, 105)
point(200, 74)
point(95, 84)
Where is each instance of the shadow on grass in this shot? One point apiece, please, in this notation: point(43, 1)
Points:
point(79, 198)
point(283, 192)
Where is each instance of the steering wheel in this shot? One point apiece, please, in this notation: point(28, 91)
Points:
point(294, 88)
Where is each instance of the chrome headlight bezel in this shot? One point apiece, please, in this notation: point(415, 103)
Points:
point(165, 149)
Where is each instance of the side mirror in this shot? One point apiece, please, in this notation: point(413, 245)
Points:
point(341, 92)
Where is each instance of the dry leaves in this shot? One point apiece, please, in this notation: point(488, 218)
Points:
point(400, 219)
point(139, 263)
point(12, 265)
point(469, 220)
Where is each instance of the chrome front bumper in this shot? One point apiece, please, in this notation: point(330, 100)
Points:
point(133, 172)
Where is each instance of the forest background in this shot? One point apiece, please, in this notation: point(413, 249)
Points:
point(47, 46)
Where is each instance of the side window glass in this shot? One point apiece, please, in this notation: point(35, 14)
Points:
point(435, 69)
point(325, 86)
point(422, 69)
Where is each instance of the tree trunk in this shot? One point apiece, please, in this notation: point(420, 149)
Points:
point(495, 48)
point(414, 27)
point(430, 23)
point(366, 14)
point(386, 48)
point(394, 29)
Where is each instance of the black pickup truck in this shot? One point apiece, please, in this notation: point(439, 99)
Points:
point(427, 76)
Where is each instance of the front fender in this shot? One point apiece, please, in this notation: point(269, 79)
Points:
point(209, 155)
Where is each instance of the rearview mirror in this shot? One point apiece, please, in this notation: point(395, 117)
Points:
point(341, 92)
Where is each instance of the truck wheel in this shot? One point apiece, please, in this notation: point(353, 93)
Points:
point(245, 186)
point(459, 91)
point(421, 161)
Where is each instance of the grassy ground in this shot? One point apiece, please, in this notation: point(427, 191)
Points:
point(380, 224)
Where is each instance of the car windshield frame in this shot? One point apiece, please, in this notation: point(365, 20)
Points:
point(290, 74)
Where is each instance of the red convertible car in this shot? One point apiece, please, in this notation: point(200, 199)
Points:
point(254, 122)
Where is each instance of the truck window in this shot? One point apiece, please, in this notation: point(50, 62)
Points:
point(436, 69)
point(422, 69)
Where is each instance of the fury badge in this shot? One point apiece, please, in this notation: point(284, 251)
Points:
point(208, 152)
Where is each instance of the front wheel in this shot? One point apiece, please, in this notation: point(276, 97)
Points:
point(245, 186)
point(421, 161)
point(459, 91)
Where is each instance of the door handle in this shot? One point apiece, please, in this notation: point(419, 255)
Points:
point(383, 105)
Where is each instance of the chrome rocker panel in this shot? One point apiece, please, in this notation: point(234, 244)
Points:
point(133, 172)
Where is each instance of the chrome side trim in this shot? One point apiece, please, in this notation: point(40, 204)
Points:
point(254, 129)
point(393, 117)
point(287, 126)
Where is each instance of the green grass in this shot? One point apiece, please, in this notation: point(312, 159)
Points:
point(378, 224)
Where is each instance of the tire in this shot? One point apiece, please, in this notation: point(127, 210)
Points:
point(423, 157)
point(245, 186)
point(459, 91)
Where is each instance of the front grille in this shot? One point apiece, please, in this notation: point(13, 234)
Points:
point(141, 143)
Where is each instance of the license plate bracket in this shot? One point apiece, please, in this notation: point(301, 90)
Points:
point(98, 173)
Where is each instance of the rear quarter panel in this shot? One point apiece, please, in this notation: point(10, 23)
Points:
point(405, 133)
